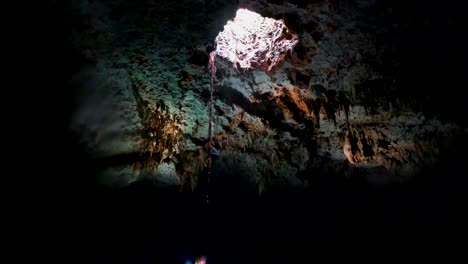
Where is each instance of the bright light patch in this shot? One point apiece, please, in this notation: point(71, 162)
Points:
point(200, 260)
point(251, 41)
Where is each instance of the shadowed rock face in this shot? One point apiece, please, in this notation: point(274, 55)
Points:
point(353, 100)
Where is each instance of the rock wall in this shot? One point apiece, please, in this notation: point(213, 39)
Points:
point(331, 108)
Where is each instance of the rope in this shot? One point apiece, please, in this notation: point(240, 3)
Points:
point(212, 67)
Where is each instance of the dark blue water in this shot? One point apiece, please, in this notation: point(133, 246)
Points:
point(142, 224)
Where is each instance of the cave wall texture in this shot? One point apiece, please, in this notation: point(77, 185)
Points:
point(371, 93)
point(371, 97)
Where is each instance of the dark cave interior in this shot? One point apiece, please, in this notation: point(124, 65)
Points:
point(425, 57)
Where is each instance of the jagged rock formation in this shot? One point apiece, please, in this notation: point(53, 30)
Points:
point(332, 107)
